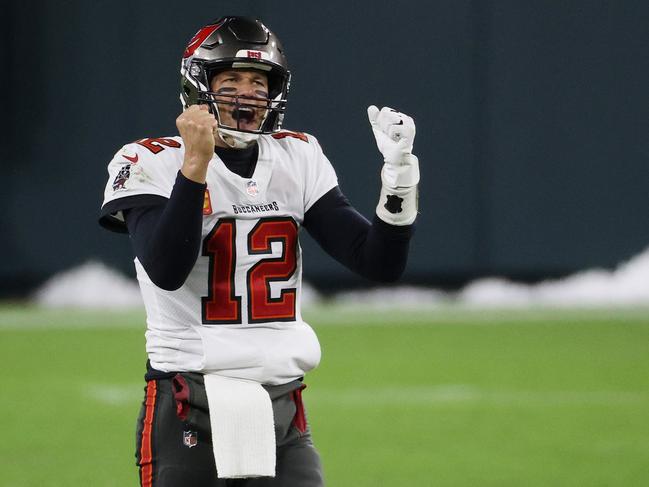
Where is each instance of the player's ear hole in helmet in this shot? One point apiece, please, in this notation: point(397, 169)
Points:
point(238, 43)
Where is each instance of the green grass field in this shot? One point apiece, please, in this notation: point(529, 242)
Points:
point(428, 398)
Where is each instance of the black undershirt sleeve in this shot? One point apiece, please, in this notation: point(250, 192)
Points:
point(166, 237)
point(376, 250)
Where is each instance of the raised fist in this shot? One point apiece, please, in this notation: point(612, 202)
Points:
point(394, 132)
point(196, 126)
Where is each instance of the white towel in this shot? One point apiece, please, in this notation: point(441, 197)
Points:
point(243, 429)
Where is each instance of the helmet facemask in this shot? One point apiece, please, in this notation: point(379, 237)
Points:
point(243, 109)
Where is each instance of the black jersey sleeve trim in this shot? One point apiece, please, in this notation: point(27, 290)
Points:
point(376, 250)
point(110, 217)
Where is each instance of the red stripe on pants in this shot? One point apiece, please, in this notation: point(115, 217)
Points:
point(300, 417)
point(146, 454)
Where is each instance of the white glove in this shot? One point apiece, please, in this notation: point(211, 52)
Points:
point(395, 133)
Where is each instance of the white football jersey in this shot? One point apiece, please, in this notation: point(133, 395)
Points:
point(238, 312)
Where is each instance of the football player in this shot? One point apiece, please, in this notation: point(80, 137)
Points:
point(213, 216)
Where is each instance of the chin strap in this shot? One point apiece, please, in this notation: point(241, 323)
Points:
point(236, 139)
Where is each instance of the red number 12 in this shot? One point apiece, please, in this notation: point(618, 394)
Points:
point(221, 305)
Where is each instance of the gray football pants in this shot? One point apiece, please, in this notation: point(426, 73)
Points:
point(174, 444)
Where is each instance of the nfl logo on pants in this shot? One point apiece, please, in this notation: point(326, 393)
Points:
point(190, 438)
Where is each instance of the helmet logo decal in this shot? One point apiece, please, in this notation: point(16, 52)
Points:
point(199, 38)
point(254, 54)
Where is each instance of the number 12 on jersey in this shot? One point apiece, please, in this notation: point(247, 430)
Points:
point(222, 305)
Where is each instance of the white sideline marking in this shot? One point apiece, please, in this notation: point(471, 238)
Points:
point(117, 395)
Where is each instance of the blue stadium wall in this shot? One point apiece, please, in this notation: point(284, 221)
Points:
point(532, 119)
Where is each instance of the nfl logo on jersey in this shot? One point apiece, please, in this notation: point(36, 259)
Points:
point(251, 188)
point(190, 438)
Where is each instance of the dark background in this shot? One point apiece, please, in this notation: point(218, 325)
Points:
point(532, 123)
